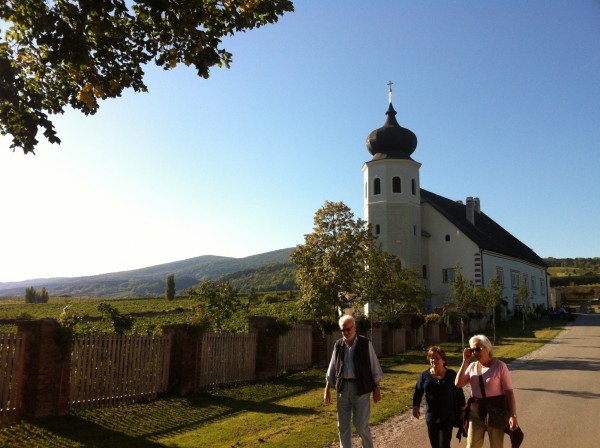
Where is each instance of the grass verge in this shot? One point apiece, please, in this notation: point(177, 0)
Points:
point(286, 412)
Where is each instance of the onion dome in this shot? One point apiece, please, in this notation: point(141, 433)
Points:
point(391, 141)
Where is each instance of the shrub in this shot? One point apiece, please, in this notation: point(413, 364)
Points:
point(432, 319)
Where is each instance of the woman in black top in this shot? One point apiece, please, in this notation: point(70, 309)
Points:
point(437, 383)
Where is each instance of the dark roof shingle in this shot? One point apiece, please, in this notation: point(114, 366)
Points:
point(486, 233)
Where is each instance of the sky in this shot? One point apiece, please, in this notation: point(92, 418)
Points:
point(504, 97)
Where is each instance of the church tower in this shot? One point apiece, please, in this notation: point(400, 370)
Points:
point(392, 200)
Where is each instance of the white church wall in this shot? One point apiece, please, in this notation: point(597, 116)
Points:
point(446, 248)
point(513, 272)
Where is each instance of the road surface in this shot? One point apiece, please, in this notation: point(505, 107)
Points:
point(558, 396)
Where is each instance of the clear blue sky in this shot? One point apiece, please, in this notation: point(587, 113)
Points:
point(503, 96)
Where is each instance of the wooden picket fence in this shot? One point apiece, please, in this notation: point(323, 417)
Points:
point(115, 369)
point(295, 351)
point(225, 359)
point(11, 364)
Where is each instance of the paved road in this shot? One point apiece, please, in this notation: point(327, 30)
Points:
point(558, 393)
point(557, 390)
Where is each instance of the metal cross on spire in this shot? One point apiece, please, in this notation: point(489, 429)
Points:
point(390, 92)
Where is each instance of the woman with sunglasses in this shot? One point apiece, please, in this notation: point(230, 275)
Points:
point(497, 391)
point(442, 398)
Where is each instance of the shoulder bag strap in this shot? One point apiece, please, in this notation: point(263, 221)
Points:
point(481, 383)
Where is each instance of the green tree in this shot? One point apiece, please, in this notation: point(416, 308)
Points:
point(170, 291)
point(42, 296)
point(465, 296)
point(60, 53)
point(219, 302)
point(332, 261)
point(393, 290)
point(377, 285)
point(491, 296)
point(30, 296)
point(523, 299)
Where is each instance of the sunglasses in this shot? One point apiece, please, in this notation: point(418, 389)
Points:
point(476, 349)
point(345, 330)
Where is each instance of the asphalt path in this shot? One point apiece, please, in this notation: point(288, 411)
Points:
point(558, 389)
point(558, 392)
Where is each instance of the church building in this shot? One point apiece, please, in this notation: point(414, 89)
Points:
point(437, 234)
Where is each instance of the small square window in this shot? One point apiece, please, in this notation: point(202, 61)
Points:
point(448, 275)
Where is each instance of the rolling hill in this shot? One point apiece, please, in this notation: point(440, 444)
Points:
point(151, 281)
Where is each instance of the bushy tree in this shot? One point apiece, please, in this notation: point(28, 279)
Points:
point(60, 53)
point(42, 296)
point(491, 296)
point(33, 296)
point(30, 296)
point(332, 261)
point(170, 291)
point(390, 288)
point(217, 302)
point(466, 295)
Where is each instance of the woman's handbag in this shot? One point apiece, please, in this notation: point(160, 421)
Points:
point(497, 417)
point(497, 412)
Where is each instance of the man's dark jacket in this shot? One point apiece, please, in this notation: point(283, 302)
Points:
point(362, 365)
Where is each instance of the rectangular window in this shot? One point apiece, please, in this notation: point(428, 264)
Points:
point(542, 287)
point(515, 279)
point(500, 274)
point(525, 280)
point(448, 275)
point(533, 285)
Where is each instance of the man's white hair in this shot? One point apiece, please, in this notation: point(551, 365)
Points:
point(345, 318)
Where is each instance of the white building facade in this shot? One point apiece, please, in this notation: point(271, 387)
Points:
point(437, 234)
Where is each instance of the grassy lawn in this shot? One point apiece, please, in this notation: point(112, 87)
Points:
point(286, 412)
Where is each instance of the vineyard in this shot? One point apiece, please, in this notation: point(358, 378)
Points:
point(148, 314)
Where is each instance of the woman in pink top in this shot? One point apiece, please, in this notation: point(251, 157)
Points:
point(498, 387)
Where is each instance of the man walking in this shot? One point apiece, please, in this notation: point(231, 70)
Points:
point(354, 372)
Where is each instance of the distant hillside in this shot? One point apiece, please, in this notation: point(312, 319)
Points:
point(271, 271)
point(271, 277)
point(573, 271)
point(151, 281)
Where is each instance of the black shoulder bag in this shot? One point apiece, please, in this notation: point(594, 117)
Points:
point(496, 416)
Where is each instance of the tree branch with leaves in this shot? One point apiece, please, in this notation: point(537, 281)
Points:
point(73, 53)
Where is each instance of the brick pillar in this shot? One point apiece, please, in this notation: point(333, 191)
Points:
point(186, 346)
point(320, 355)
point(46, 369)
point(267, 347)
point(428, 335)
point(443, 332)
point(387, 340)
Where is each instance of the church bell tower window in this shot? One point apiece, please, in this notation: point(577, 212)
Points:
point(377, 186)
